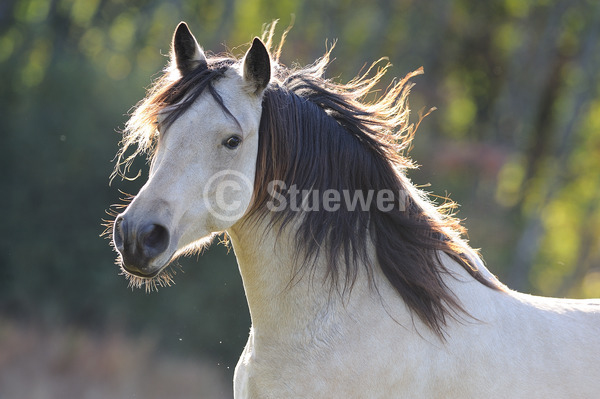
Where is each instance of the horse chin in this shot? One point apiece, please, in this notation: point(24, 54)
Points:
point(160, 274)
point(196, 246)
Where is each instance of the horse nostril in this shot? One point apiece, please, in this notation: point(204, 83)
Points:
point(119, 233)
point(154, 240)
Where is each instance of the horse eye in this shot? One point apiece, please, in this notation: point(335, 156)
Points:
point(232, 142)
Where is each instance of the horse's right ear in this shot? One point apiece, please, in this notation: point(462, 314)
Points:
point(186, 53)
point(256, 66)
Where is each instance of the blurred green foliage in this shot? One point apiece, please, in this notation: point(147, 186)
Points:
point(515, 140)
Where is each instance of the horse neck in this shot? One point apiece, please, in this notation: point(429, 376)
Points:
point(284, 305)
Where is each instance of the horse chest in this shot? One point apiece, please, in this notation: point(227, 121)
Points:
point(349, 371)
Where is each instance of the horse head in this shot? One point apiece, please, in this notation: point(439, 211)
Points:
point(206, 146)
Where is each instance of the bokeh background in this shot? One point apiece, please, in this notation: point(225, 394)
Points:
point(515, 140)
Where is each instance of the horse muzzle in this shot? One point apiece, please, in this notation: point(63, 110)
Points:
point(141, 246)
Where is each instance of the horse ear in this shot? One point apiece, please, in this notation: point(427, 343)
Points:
point(185, 51)
point(257, 66)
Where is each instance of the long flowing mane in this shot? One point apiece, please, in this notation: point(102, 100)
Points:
point(316, 134)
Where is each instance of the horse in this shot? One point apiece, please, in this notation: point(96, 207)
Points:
point(358, 285)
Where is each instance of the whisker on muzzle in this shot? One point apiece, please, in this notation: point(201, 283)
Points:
point(163, 279)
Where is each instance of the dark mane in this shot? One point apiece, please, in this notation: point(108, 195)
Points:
point(318, 135)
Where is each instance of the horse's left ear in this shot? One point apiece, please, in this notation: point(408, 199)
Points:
point(256, 66)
